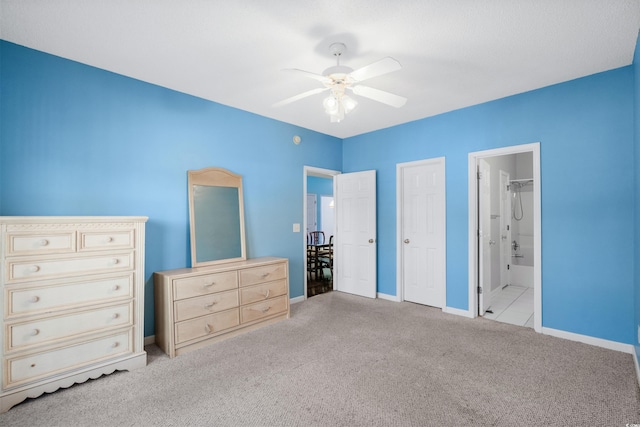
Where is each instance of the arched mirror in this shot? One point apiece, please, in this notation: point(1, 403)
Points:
point(216, 213)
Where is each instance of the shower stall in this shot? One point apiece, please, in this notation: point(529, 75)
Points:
point(522, 232)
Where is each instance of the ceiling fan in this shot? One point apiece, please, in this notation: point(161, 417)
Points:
point(339, 79)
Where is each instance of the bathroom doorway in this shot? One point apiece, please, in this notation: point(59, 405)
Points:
point(504, 240)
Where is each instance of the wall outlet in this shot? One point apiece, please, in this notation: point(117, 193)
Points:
point(296, 228)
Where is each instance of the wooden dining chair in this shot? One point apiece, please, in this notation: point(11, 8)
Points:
point(316, 238)
point(325, 257)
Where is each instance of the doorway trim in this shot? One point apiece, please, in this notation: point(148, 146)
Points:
point(534, 148)
point(306, 172)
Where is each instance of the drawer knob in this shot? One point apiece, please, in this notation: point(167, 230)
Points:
point(208, 329)
point(264, 310)
point(34, 269)
point(44, 242)
point(115, 261)
point(267, 294)
point(115, 344)
point(109, 239)
point(265, 275)
point(35, 332)
point(116, 287)
point(115, 315)
point(211, 304)
point(35, 298)
point(208, 285)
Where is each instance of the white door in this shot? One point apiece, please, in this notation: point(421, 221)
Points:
point(484, 236)
point(355, 240)
point(423, 233)
point(312, 213)
point(505, 229)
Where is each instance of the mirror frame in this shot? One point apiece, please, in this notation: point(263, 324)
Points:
point(215, 177)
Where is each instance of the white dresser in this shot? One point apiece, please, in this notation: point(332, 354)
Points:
point(72, 301)
point(198, 306)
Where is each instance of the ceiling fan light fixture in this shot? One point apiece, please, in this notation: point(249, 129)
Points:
point(349, 103)
point(337, 105)
point(339, 78)
point(331, 104)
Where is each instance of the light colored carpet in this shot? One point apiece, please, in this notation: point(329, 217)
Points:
point(343, 360)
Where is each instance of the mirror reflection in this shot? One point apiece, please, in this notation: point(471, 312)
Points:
point(216, 216)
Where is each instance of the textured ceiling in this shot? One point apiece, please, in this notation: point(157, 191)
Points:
point(454, 53)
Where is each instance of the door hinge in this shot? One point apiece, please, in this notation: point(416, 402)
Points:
point(479, 289)
point(508, 187)
point(479, 175)
point(508, 266)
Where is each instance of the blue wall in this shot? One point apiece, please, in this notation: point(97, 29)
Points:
point(585, 129)
point(76, 140)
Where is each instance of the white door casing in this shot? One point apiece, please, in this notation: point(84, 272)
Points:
point(484, 236)
point(473, 157)
point(355, 244)
point(308, 171)
point(422, 216)
point(505, 229)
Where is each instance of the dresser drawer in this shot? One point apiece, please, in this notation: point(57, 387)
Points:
point(23, 243)
point(263, 309)
point(22, 369)
point(105, 240)
point(266, 273)
point(21, 300)
point(206, 284)
point(200, 306)
point(24, 334)
point(263, 292)
point(206, 325)
point(36, 269)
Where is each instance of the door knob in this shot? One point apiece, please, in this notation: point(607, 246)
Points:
point(406, 240)
point(371, 240)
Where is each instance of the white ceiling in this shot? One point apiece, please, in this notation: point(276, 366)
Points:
point(454, 53)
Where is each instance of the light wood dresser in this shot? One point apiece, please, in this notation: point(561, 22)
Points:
point(72, 291)
point(198, 306)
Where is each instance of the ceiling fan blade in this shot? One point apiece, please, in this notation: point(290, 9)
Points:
point(300, 96)
point(308, 74)
point(380, 96)
point(375, 69)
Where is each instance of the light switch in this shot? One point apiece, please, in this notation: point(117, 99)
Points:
point(296, 228)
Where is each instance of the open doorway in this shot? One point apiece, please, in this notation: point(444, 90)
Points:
point(505, 235)
point(318, 185)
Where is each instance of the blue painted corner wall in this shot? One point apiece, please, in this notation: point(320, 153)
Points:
point(585, 129)
point(76, 140)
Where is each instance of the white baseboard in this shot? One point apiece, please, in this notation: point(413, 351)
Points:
point(458, 312)
point(296, 300)
point(151, 339)
point(598, 342)
point(635, 362)
point(388, 297)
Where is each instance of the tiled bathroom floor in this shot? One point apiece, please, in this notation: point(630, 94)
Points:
point(513, 304)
